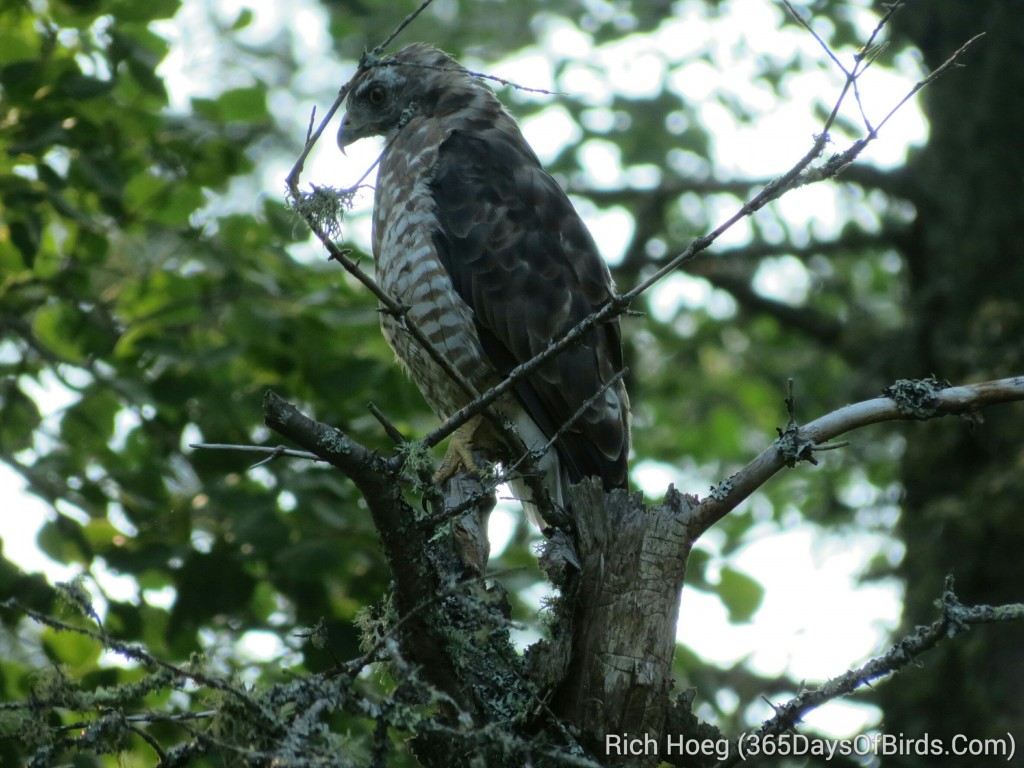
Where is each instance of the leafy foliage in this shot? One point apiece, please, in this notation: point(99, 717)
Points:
point(150, 273)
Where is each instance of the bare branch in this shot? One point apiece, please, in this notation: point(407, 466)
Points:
point(312, 137)
point(390, 429)
point(799, 175)
point(402, 25)
point(292, 180)
point(824, 46)
point(272, 450)
point(933, 76)
point(955, 619)
point(367, 470)
point(138, 653)
point(946, 401)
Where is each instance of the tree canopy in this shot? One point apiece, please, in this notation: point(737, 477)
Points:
point(152, 271)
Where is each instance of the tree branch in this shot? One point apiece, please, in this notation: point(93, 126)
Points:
point(799, 175)
point(955, 619)
point(904, 404)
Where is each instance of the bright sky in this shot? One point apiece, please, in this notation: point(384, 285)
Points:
point(817, 620)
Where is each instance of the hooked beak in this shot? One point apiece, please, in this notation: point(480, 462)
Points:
point(348, 132)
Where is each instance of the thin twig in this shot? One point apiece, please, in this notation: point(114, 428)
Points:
point(153, 743)
point(567, 425)
point(955, 618)
point(869, 59)
point(883, 21)
point(272, 450)
point(806, 25)
point(312, 120)
point(831, 446)
point(471, 73)
point(390, 429)
point(933, 76)
point(146, 717)
point(402, 25)
point(292, 180)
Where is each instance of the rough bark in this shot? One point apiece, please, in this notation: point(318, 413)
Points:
point(621, 609)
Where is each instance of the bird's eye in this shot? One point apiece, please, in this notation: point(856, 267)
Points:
point(376, 95)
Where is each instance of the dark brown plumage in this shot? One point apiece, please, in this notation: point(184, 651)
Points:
point(474, 235)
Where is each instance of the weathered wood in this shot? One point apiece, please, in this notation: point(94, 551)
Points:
point(469, 530)
point(624, 604)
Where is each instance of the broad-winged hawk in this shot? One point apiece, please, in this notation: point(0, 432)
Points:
point(488, 252)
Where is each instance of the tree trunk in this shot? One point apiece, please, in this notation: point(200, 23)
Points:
point(622, 607)
point(964, 487)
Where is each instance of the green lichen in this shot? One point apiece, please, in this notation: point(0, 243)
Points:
point(721, 491)
point(794, 447)
point(324, 207)
point(916, 398)
point(335, 442)
point(375, 622)
point(75, 594)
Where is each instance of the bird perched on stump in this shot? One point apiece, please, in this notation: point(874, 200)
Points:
point(494, 263)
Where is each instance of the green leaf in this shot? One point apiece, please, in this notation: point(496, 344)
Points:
point(237, 105)
point(25, 234)
point(741, 595)
point(83, 87)
point(19, 79)
point(100, 533)
point(244, 19)
point(133, 11)
point(55, 326)
point(18, 43)
point(77, 653)
point(696, 568)
point(62, 540)
point(19, 418)
point(245, 104)
point(89, 423)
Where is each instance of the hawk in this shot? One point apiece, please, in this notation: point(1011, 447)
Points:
point(494, 263)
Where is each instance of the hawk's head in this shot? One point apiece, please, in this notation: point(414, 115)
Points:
point(419, 80)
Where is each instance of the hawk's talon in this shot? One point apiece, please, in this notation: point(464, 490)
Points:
point(459, 456)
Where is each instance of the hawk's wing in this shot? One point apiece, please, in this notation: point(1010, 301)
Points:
point(521, 258)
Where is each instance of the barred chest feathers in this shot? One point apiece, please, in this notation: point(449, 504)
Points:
point(408, 269)
point(494, 262)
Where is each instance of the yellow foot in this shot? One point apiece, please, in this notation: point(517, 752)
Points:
point(459, 455)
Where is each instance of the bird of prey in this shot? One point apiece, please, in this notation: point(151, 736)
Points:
point(492, 260)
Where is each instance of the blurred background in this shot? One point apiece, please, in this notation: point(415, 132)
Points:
point(153, 286)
